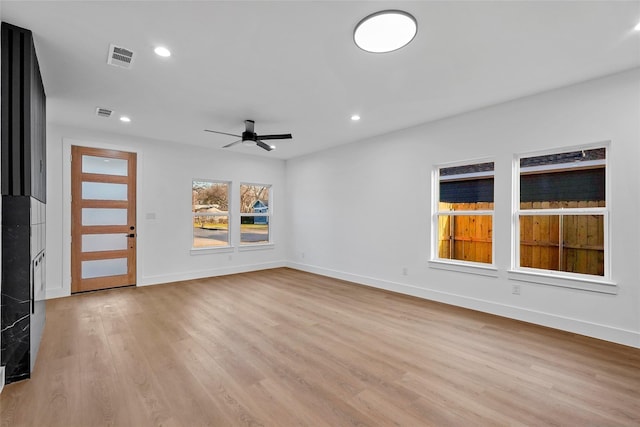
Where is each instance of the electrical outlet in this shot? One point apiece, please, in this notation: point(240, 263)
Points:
point(405, 271)
point(302, 255)
point(515, 289)
point(230, 257)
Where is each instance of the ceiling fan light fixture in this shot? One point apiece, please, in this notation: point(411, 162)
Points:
point(250, 137)
point(385, 31)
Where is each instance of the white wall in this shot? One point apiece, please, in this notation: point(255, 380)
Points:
point(165, 171)
point(361, 212)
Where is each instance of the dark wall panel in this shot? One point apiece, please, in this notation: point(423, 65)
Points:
point(23, 157)
point(467, 191)
point(16, 295)
point(23, 116)
point(580, 185)
point(38, 132)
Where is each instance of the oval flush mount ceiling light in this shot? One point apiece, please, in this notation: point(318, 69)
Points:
point(162, 51)
point(385, 31)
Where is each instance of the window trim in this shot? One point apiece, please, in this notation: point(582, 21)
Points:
point(214, 249)
point(565, 279)
point(269, 214)
point(473, 267)
point(470, 267)
point(583, 282)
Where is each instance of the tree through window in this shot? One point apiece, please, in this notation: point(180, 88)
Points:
point(210, 211)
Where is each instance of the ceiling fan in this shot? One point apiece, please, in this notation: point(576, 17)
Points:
point(250, 137)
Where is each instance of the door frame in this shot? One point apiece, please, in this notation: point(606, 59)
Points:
point(79, 229)
point(65, 288)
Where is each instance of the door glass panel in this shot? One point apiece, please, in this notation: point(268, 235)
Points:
point(104, 242)
point(104, 216)
point(104, 267)
point(103, 191)
point(104, 165)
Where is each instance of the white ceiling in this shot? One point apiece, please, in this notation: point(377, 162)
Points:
point(292, 66)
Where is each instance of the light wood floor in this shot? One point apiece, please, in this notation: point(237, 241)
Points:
point(286, 348)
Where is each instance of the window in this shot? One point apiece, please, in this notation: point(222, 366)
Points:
point(210, 209)
point(562, 214)
point(463, 213)
point(255, 213)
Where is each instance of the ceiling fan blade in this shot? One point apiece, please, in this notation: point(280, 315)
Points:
point(263, 145)
point(222, 133)
point(232, 144)
point(281, 136)
point(249, 124)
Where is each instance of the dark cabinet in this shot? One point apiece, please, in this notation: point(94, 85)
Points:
point(23, 116)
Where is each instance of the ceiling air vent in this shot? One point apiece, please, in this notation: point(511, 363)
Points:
point(120, 56)
point(103, 112)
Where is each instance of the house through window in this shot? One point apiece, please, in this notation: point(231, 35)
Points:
point(255, 214)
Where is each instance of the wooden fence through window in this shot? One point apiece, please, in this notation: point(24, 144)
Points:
point(581, 250)
point(466, 237)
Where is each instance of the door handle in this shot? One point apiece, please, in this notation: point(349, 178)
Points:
point(132, 235)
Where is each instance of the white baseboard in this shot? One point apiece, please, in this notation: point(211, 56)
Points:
point(200, 274)
point(57, 293)
point(178, 277)
point(1, 378)
point(603, 332)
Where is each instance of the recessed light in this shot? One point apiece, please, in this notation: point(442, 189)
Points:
point(637, 27)
point(125, 119)
point(162, 51)
point(273, 147)
point(385, 31)
point(355, 117)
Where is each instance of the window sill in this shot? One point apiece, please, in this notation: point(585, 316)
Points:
point(465, 267)
point(217, 250)
point(586, 283)
point(256, 247)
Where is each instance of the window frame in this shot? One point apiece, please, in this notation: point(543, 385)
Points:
point(482, 268)
point(566, 279)
point(222, 248)
point(269, 214)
